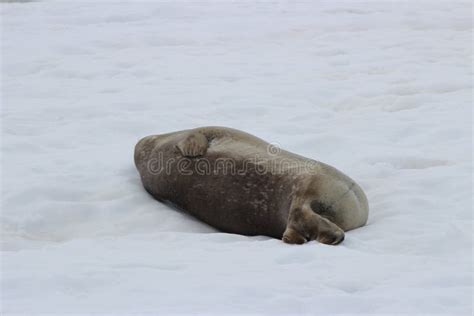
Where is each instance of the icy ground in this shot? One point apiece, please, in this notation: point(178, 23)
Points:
point(380, 90)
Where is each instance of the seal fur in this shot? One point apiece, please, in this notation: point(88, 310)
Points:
point(296, 200)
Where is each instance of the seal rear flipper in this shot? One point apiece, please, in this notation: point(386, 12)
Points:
point(291, 236)
point(194, 144)
point(311, 226)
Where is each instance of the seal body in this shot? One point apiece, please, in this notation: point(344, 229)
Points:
point(241, 184)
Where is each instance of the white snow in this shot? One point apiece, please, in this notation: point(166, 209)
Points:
point(380, 90)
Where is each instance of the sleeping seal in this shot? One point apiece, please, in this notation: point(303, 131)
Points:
point(240, 184)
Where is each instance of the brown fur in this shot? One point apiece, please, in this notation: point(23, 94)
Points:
point(295, 206)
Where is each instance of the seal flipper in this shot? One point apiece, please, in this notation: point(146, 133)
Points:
point(291, 236)
point(195, 144)
point(305, 223)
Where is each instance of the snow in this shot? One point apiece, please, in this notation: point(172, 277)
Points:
point(380, 90)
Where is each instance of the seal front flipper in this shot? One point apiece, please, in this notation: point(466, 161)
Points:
point(193, 145)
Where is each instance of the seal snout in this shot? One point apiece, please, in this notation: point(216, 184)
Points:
point(143, 149)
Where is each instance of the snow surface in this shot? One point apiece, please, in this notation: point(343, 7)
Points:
point(381, 90)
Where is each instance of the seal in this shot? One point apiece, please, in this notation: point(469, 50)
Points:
point(238, 183)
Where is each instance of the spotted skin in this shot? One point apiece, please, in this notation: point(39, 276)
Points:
point(287, 203)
